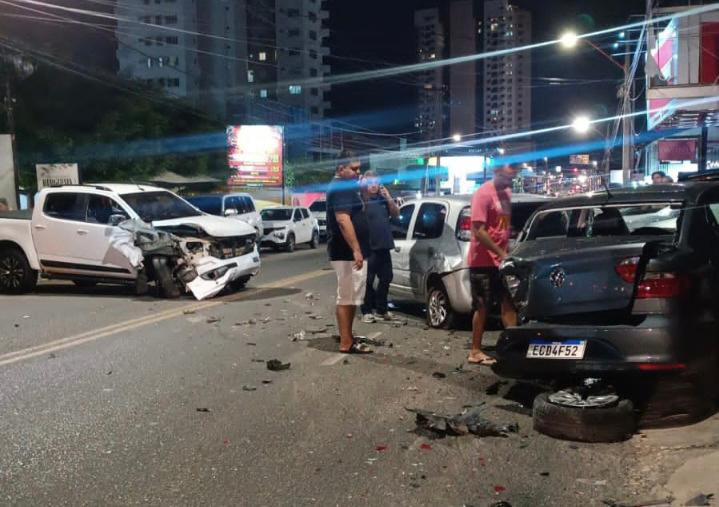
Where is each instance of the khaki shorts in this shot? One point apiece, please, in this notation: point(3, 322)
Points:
point(351, 283)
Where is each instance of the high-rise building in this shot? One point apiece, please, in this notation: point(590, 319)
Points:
point(507, 79)
point(462, 77)
point(251, 61)
point(430, 47)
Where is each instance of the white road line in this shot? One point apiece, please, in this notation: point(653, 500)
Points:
point(96, 334)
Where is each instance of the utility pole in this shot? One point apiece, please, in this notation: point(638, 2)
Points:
point(627, 119)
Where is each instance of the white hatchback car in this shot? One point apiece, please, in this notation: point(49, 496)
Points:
point(239, 206)
point(285, 227)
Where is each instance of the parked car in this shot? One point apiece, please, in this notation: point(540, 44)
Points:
point(601, 293)
point(68, 236)
point(432, 237)
point(239, 206)
point(319, 211)
point(285, 227)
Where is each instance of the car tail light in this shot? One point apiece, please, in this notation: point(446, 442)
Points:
point(662, 366)
point(652, 285)
point(464, 225)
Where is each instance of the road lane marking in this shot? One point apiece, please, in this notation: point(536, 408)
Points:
point(128, 325)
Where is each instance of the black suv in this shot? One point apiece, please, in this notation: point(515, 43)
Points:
point(616, 282)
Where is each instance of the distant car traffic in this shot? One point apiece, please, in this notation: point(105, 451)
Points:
point(616, 283)
point(432, 238)
point(286, 227)
point(319, 211)
point(238, 205)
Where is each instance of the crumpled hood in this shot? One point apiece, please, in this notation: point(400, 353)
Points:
point(219, 227)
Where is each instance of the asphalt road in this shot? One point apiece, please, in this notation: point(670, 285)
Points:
point(110, 399)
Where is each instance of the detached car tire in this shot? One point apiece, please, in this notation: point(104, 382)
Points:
point(598, 424)
point(16, 275)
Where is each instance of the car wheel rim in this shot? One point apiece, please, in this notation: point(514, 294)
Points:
point(569, 398)
point(437, 308)
point(11, 273)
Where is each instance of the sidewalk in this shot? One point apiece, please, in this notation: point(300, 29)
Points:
point(681, 462)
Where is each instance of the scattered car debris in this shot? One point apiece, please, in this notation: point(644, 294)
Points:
point(266, 382)
point(298, 336)
point(499, 489)
point(313, 316)
point(439, 374)
point(212, 320)
point(188, 312)
point(425, 447)
point(317, 330)
point(501, 504)
point(640, 502)
point(700, 499)
point(203, 409)
point(249, 388)
point(255, 360)
point(277, 365)
point(469, 421)
point(381, 448)
point(592, 482)
point(251, 344)
point(371, 341)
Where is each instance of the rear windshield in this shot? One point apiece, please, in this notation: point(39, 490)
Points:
point(319, 206)
point(652, 219)
point(276, 214)
point(211, 205)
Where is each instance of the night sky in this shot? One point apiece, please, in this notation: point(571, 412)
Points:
point(382, 30)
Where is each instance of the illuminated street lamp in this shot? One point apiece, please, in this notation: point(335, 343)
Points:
point(569, 39)
point(581, 124)
point(501, 151)
point(457, 138)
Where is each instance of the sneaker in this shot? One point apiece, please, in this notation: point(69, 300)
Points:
point(389, 316)
point(368, 318)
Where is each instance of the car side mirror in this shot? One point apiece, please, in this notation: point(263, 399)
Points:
point(116, 220)
point(230, 212)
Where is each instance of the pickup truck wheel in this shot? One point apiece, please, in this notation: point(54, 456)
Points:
point(290, 245)
point(240, 283)
point(16, 275)
point(610, 423)
point(440, 314)
point(315, 241)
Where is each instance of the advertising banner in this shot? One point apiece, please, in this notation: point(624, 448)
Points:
point(254, 154)
point(8, 199)
point(582, 159)
point(53, 175)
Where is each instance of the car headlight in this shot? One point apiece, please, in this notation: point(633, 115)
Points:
point(218, 273)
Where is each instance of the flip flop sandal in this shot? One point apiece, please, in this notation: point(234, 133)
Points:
point(488, 361)
point(357, 348)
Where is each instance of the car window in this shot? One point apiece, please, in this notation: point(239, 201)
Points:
point(430, 221)
point(100, 208)
point(249, 204)
point(209, 204)
point(271, 214)
point(235, 203)
point(551, 224)
point(66, 206)
point(159, 205)
point(714, 209)
point(297, 216)
point(305, 213)
point(319, 206)
point(400, 225)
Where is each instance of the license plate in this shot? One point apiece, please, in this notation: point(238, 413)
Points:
point(567, 349)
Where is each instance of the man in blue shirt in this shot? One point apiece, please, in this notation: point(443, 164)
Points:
point(347, 247)
point(380, 208)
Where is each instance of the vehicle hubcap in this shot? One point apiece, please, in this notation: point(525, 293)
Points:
point(11, 273)
point(569, 398)
point(437, 308)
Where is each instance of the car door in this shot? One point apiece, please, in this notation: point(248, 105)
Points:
point(402, 247)
point(100, 255)
point(297, 226)
point(309, 223)
point(427, 233)
point(57, 230)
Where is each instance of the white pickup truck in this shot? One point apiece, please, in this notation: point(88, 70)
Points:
point(69, 234)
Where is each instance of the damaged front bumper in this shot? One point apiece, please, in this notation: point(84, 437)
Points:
point(213, 274)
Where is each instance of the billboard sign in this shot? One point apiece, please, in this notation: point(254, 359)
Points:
point(53, 175)
point(254, 154)
point(579, 159)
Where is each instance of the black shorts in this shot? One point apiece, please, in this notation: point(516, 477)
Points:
point(487, 288)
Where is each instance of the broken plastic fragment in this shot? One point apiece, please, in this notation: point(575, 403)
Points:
point(203, 409)
point(277, 365)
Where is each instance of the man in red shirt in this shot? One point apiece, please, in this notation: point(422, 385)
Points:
point(491, 214)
